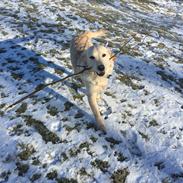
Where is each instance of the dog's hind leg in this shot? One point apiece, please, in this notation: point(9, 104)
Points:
point(92, 99)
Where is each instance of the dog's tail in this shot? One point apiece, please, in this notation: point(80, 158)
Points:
point(83, 41)
point(96, 34)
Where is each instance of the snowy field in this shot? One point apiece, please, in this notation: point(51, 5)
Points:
point(52, 136)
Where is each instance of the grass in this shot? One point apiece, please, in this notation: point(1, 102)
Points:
point(64, 156)
point(78, 96)
point(120, 175)
point(84, 145)
point(160, 165)
point(93, 139)
point(45, 133)
point(165, 76)
point(35, 177)
point(112, 140)
point(83, 172)
point(109, 94)
point(69, 128)
point(74, 152)
point(153, 122)
point(120, 156)
point(27, 151)
point(170, 78)
point(52, 175)
point(177, 176)
point(74, 91)
point(22, 168)
point(59, 72)
point(35, 161)
point(125, 79)
point(17, 130)
point(68, 105)
point(66, 180)
point(17, 76)
point(100, 164)
point(79, 114)
point(22, 108)
point(144, 136)
point(2, 50)
point(5, 175)
point(53, 111)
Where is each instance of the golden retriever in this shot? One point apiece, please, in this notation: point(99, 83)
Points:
point(99, 58)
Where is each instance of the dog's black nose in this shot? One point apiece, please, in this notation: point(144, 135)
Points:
point(101, 67)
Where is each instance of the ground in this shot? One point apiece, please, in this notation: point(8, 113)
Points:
point(52, 137)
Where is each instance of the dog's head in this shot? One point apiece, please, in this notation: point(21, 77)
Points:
point(99, 59)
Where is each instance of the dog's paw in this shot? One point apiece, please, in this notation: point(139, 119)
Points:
point(102, 128)
point(100, 123)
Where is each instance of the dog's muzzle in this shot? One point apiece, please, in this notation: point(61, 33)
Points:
point(101, 69)
point(100, 73)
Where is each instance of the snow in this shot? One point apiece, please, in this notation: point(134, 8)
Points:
point(142, 106)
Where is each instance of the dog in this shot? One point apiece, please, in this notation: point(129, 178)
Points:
point(101, 61)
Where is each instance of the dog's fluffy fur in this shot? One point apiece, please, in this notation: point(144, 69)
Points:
point(84, 53)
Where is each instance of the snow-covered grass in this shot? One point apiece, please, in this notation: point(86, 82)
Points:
point(52, 136)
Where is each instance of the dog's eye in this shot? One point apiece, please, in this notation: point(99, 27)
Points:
point(103, 55)
point(92, 57)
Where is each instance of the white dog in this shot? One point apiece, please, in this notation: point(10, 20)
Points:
point(100, 60)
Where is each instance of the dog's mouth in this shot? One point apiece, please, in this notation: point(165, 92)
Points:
point(100, 73)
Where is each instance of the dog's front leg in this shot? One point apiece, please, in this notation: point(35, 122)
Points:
point(98, 98)
point(92, 99)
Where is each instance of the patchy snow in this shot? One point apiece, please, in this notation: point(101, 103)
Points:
point(51, 137)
